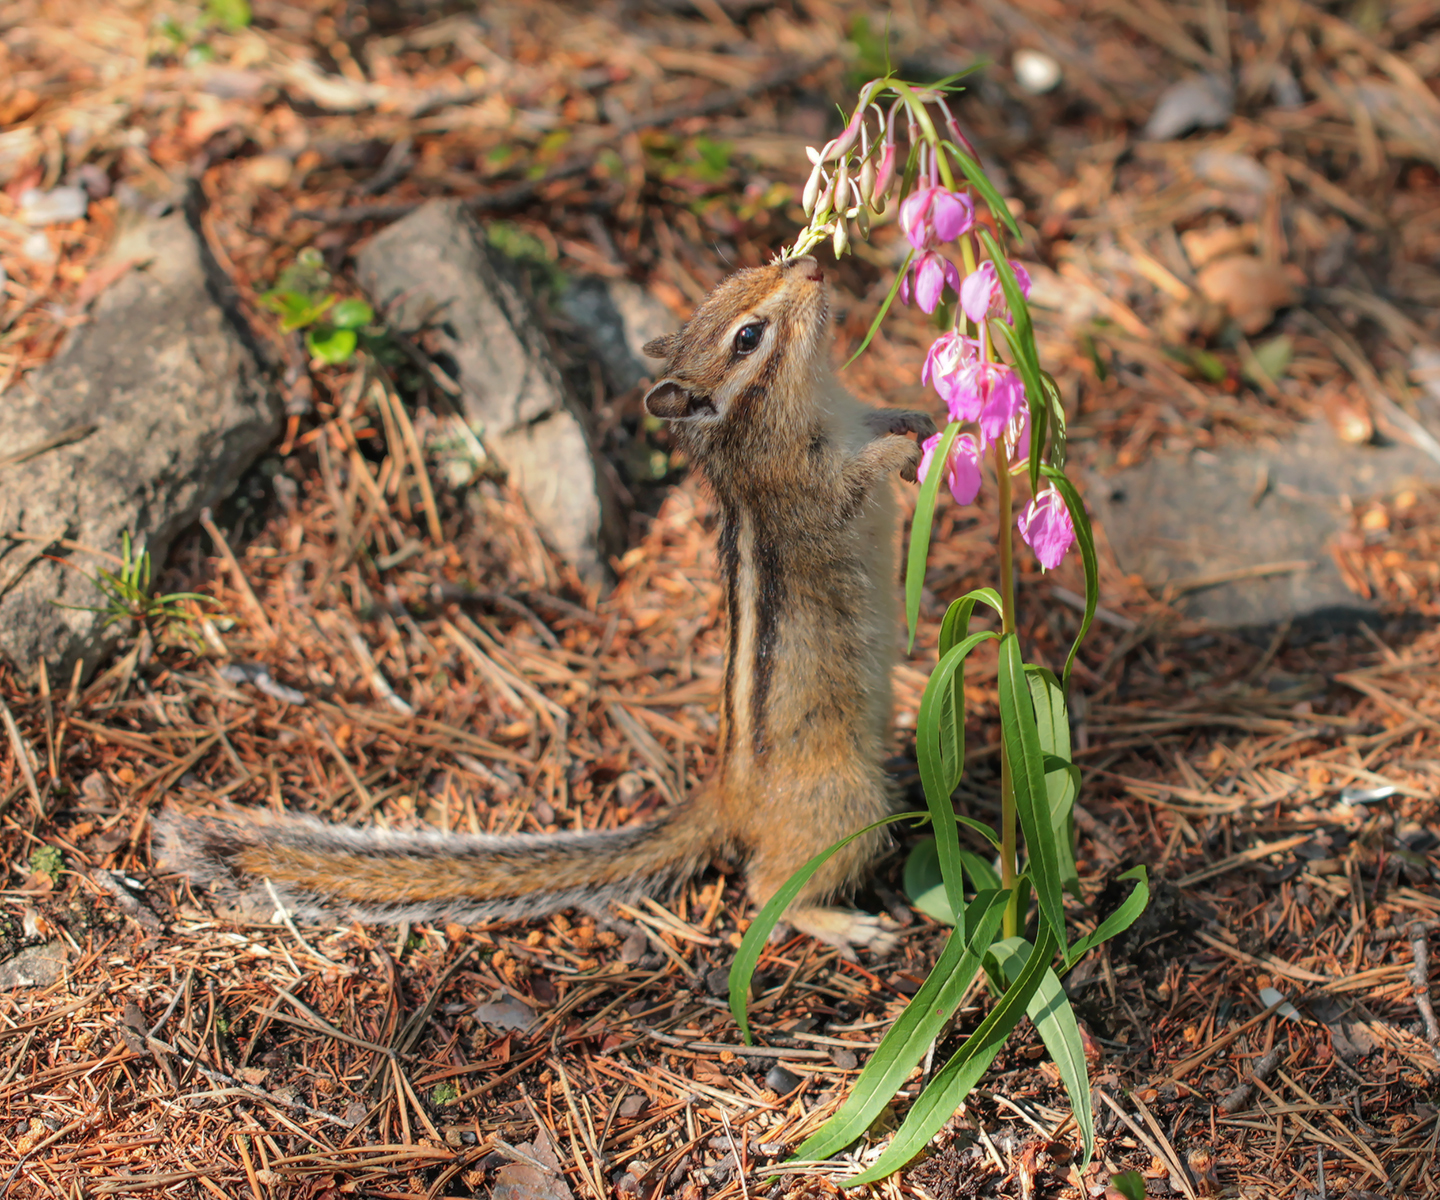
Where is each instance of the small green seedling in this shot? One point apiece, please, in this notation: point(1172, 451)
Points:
point(127, 596)
point(303, 300)
point(47, 860)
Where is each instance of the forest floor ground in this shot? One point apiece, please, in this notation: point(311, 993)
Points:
point(1280, 785)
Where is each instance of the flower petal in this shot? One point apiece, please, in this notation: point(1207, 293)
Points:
point(929, 281)
point(965, 469)
point(953, 214)
point(977, 291)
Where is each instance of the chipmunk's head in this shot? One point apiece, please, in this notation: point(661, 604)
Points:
point(758, 337)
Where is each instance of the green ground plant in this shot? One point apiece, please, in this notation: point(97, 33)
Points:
point(1003, 893)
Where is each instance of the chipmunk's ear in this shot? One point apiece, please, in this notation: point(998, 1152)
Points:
point(673, 401)
point(660, 347)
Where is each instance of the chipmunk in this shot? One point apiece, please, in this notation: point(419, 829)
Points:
point(800, 471)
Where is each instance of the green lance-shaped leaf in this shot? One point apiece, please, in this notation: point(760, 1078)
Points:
point(1054, 1020)
point(952, 1083)
point(914, 1030)
point(742, 970)
point(1118, 921)
point(940, 754)
point(1059, 428)
point(884, 308)
point(1027, 777)
point(1085, 538)
point(1062, 777)
point(981, 183)
point(920, 530)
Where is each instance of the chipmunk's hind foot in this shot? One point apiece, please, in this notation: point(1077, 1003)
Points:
point(846, 929)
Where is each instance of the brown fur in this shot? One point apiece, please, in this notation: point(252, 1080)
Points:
point(807, 554)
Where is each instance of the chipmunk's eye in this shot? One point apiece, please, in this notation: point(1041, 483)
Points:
point(749, 337)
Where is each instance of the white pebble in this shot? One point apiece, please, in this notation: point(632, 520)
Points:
point(53, 207)
point(1035, 71)
point(37, 248)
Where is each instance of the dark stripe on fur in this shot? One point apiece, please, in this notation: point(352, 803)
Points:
point(769, 600)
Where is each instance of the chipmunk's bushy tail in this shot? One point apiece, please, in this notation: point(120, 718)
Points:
point(323, 872)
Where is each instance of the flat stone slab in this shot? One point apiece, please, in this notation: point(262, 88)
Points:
point(152, 410)
point(433, 278)
point(1243, 534)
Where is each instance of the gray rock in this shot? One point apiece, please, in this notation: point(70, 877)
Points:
point(1184, 520)
point(35, 966)
point(151, 411)
point(615, 318)
point(432, 271)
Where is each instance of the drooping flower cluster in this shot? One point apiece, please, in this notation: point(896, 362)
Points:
point(852, 178)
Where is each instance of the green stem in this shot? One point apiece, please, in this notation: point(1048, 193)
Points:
point(1008, 855)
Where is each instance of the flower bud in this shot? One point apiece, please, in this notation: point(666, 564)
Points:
point(826, 201)
point(884, 174)
point(842, 184)
point(841, 145)
point(862, 221)
point(867, 180)
point(842, 237)
point(811, 194)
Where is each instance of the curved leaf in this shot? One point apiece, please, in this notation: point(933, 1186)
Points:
point(920, 531)
point(1054, 1020)
point(742, 970)
point(1085, 539)
point(952, 1083)
point(956, 624)
point(1121, 919)
point(914, 1030)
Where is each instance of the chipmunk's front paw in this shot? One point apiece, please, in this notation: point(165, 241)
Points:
point(909, 456)
point(899, 420)
point(846, 929)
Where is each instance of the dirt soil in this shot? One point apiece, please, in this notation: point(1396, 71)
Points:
point(1281, 786)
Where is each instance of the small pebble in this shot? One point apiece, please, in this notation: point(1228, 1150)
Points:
point(37, 248)
point(717, 982)
point(844, 1059)
point(779, 1080)
point(632, 1106)
point(53, 207)
point(1035, 71)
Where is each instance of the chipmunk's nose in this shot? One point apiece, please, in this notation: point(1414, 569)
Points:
point(808, 267)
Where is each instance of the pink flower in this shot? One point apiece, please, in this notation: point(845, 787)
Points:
point(931, 215)
point(963, 469)
point(1047, 529)
point(981, 292)
point(988, 392)
point(948, 356)
point(930, 273)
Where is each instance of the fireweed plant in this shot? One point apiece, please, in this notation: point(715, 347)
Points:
point(1004, 407)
